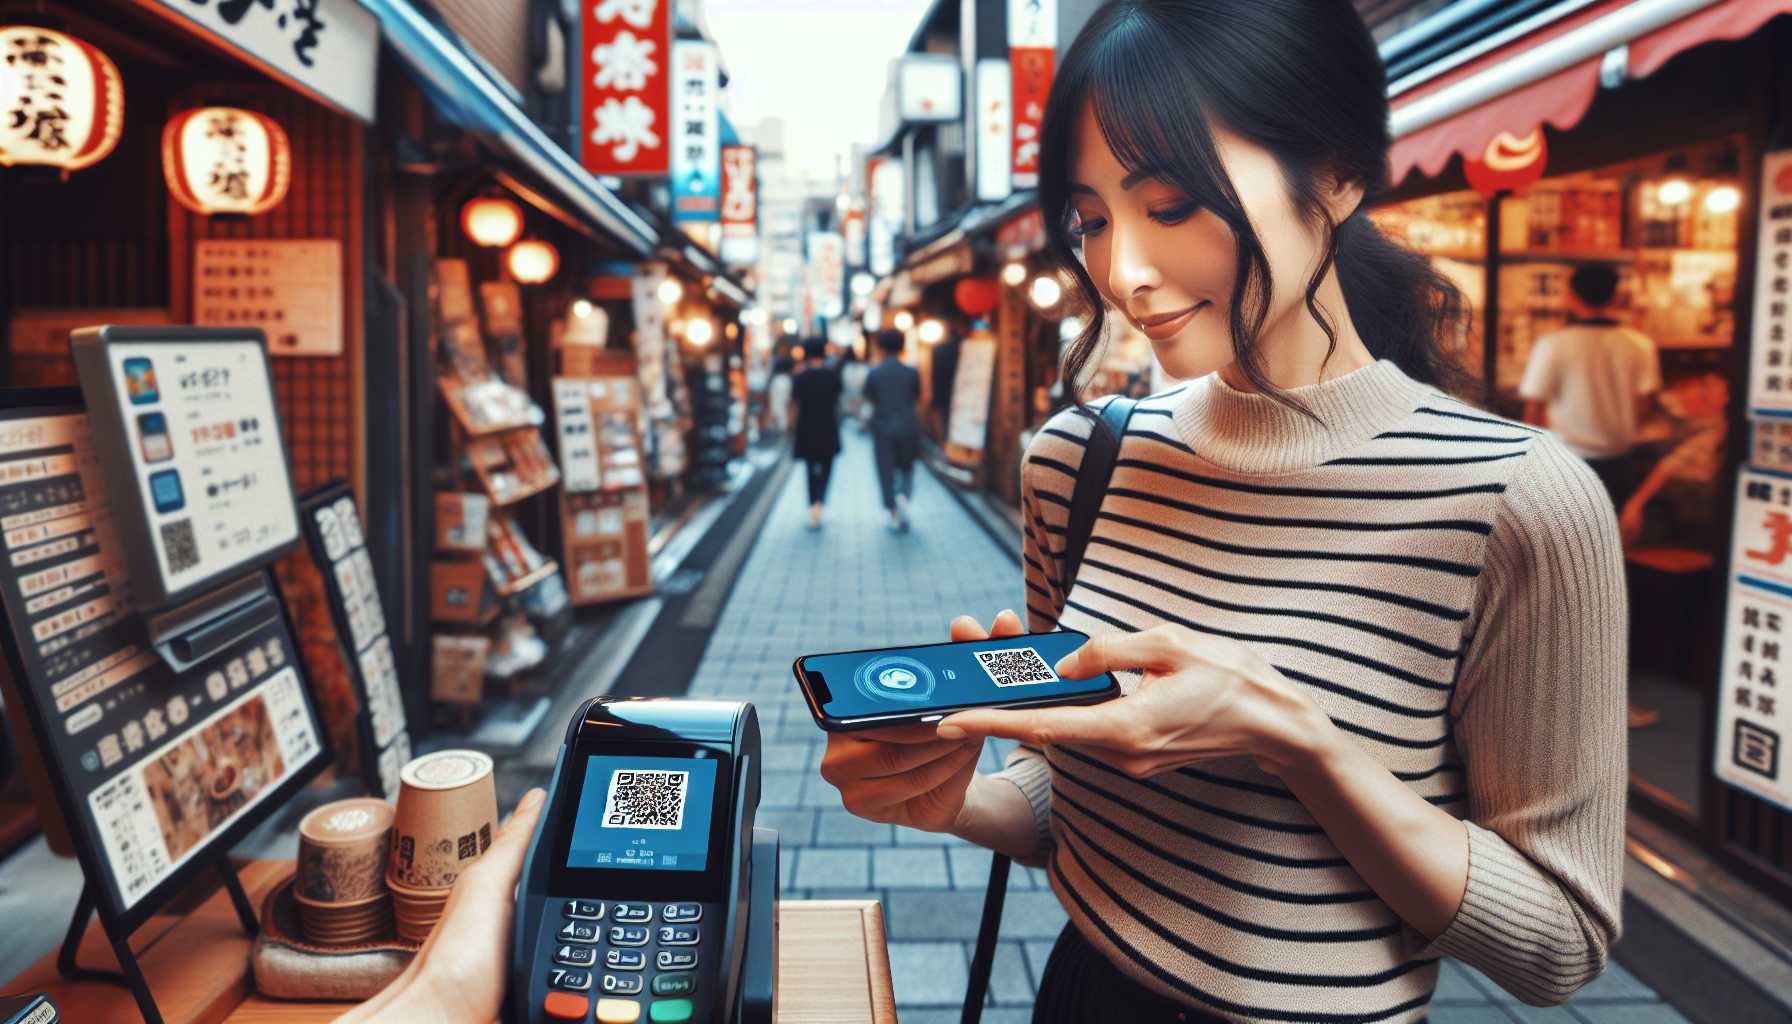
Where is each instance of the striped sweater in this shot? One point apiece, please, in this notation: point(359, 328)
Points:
point(1448, 586)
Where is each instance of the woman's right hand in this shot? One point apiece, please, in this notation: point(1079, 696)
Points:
point(907, 775)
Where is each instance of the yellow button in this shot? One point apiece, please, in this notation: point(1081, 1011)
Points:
point(618, 1011)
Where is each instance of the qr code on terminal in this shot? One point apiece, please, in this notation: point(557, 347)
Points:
point(1016, 666)
point(179, 544)
point(643, 799)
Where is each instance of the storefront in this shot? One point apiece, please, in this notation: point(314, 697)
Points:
point(1637, 142)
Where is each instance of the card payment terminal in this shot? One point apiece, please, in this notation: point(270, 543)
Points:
point(646, 894)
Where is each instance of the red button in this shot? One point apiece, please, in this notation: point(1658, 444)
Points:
point(565, 1006)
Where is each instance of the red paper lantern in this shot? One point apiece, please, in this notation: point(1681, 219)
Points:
point(226, 160)
point(976, 296)
point(1508, 165)
point(65, 96)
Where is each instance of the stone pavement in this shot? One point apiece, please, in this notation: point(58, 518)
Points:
point(853, 584)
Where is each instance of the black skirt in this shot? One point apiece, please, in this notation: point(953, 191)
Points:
point(1080, 986)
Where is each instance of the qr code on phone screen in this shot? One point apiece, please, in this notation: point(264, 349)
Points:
point(180, 545)
point(640, 799)
point(1016, 666)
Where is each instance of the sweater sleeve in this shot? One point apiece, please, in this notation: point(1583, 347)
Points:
point(1046, 481)
point(1539, 719)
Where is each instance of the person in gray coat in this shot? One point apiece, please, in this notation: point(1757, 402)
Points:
point(893, 388)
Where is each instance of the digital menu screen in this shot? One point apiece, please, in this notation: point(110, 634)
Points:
point(644, 812)
point(158, 764)
point(201, 452)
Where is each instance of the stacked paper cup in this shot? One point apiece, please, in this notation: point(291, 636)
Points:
point(341, 890)
point(447, 810)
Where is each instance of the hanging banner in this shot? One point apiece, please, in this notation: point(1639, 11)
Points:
point(697, 154)
point(827, 273)
point(995, 131)
point(740, 205)
point(1770, 369)
point(626, 87)
point(1751, 723)
point(1032, 52)
point(329, 49)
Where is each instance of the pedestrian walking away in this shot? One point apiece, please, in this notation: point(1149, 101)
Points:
point(815, 411)
point(893, 387)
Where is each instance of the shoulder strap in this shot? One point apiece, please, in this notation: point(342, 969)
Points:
point(1099, 456)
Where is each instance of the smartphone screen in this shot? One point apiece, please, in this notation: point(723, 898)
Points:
point(896, 680)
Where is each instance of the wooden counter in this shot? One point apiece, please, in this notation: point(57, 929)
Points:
point(832, 966)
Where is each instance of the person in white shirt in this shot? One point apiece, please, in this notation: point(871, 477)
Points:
point(1592, 381)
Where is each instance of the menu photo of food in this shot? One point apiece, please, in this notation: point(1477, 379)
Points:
point(202, 781)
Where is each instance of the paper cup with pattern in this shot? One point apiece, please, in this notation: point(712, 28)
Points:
point(447, 812)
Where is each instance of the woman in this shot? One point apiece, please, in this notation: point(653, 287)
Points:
point(1371, 639)
point(815, 408)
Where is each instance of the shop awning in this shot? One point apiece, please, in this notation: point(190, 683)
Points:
point(464, 95)
point(1548, 71)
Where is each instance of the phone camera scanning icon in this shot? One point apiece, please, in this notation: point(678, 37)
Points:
point(895, 680)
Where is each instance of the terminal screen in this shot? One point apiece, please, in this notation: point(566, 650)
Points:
point(644, 812)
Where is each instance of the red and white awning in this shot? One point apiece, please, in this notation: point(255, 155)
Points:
point(1549, 74)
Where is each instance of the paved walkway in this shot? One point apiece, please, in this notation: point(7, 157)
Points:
point(853, 584)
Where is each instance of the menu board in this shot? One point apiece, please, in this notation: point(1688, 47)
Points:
point(968, 424)
point(190, 440)
point(1751, 721)
point(152, 769)
point(290, 288)
point(333, 531)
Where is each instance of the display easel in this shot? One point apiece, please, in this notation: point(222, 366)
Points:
point(208, 727)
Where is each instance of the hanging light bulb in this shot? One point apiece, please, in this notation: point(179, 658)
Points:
point(1046, 291)
point(1674, 191)
point(699, 332)
point(670, 291)
point(532, 261)
point(1723, 199)
point(491, 221)
point(1014, 274)
point(904, 320)
point(932, 332)
point(222, 160)
point(581, 308)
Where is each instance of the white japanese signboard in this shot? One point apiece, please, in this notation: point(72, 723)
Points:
point(1751, 721)
point(1770, 371)
point(697, 156)
point(995, 130)
point(329, 48)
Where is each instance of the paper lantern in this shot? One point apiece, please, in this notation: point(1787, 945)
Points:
point(226, 160)
point(61, 100)
point(532, 261)
point(976, 296)
point(491, 221)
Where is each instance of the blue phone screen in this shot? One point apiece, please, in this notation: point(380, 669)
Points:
point(947, 675)
point(644, 812)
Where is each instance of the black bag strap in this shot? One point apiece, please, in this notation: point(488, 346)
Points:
point(1099, 457)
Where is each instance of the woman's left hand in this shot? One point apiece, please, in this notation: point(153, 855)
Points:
point(1201, 697)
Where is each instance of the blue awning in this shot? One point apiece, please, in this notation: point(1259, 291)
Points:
point(463, 95)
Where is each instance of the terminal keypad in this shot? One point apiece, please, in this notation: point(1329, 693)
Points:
point(628, 961)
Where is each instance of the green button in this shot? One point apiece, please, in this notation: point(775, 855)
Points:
point(674, 984)
point(670, 1011)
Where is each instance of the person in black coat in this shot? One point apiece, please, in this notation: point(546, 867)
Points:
point(815, 405)
point(893, 388)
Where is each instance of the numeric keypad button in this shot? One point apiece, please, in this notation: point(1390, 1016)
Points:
point(622, 984)
point(681, 913)
point(577, 981)
point(628, 935)
point(678, 935)
point(576, 956)
point(631, 913)
point(676, 959)
point(578, 931)
point(585, 910)
point(624, 959)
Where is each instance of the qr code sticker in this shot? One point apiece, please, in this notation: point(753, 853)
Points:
point(181, 547)
point(1016, 666)
point(646, 799)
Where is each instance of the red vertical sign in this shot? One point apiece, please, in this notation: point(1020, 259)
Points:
point(1032, 70)
point(626, 87)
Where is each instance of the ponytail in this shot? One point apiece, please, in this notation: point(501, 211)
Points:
point(1404, 309)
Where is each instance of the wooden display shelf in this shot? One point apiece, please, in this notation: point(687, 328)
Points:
point(833, 966)
point(546, 485)
point(541, 572)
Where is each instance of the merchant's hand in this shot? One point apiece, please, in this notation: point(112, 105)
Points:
point(1201, 697)
point(908, 775)
point(459, 975)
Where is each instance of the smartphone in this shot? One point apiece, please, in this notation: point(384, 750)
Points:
point(900, 685)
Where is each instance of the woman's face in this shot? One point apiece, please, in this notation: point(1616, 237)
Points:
point(1167, 266)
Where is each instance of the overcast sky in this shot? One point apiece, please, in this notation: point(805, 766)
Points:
point(821, 65)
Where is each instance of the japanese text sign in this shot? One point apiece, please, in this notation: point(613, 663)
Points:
point(697, 146)
point(1032, 53)
point(740, 205)
point(1751, 722)
point(626, 88)
point(329, 48)
point(1770, 372)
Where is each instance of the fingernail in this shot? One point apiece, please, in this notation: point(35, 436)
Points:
point(950, 732)
point(1062, 662)
point(532, 799)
